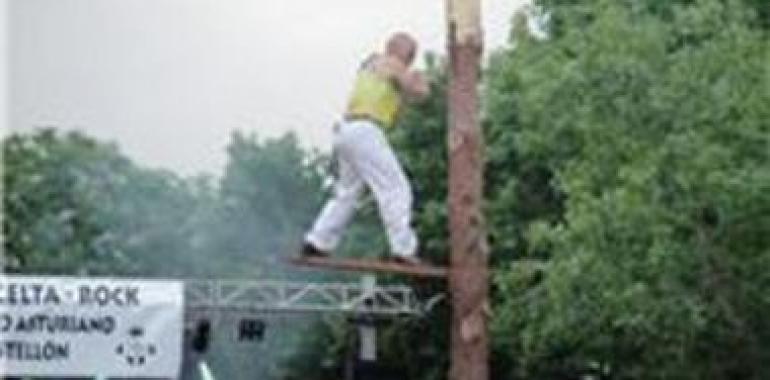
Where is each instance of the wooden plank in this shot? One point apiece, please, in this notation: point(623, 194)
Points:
point(370, 265)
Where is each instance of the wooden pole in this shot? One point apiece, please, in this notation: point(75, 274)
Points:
point(468, 278)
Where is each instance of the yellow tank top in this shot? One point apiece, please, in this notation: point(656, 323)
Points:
point(374, 97)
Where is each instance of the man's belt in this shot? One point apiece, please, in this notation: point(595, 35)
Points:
point(364, 117)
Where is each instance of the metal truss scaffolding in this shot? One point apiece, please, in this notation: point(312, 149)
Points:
point(203, 296)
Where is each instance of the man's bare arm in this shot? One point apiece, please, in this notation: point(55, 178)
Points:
point(412, 83)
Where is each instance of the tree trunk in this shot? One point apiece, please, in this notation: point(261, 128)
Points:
point(468, 279)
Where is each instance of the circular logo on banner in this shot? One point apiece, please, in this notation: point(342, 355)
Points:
point(136, 350)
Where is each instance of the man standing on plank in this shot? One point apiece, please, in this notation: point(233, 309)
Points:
point(366, 159)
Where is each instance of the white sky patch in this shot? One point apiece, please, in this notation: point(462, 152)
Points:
point(4, 117)
point(169, 80)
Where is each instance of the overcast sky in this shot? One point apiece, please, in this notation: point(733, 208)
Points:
point(4, 65)
point(169, 80)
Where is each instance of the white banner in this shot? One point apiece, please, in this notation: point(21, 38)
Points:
point(65, 326)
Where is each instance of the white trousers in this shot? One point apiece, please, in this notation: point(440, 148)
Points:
point(365, 159)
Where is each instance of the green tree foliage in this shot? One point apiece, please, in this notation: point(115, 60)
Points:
point(41, 227)
point(72, 205)
point(269, 192)
point(654, 130)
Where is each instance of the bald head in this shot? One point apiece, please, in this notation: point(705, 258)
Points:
point(402, 46)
